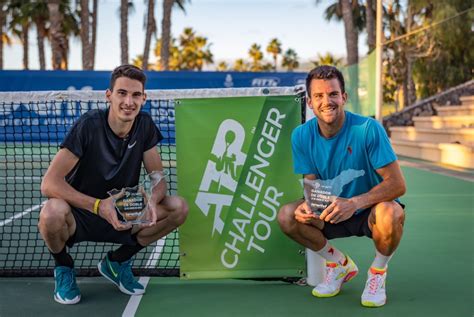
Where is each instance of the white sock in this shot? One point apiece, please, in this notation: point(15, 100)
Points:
point(380, 261)
point(332, 254)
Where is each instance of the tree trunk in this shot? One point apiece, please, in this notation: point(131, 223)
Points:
point(411, 90)
point(95, 8)
point(370, 23)
point(40, 35)
point(410, 84)
point(25, 38)
point(352, 53)
point(65, 61)
point(124, 32)
point(58, 40)
point(85, 36)
point(150, 26)
point(166, 34)
point(350, 33)
point(2, 24)
point(405, 90)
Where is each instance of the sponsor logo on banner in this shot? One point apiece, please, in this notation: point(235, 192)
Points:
point(265, 82)
point(227, 159)
point(234, 188)
point(228, 81)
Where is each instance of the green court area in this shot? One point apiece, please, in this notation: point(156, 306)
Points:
point(430, 274)
point(21, 248)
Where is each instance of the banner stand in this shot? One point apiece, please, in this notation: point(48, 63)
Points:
point(315, 268)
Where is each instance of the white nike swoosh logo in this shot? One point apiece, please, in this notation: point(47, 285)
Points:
point(132, 145)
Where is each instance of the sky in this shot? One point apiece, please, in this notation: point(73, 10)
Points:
point(231, 26)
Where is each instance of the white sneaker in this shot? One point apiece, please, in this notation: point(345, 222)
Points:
point(336, 275)
point(374, 291)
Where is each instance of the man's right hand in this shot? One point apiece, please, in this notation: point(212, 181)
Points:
point(303, 214)
point(108, 212)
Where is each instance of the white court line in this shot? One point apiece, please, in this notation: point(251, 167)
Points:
point(14, 178)
point(19, 215)
point(134, 301)
point(435, 195)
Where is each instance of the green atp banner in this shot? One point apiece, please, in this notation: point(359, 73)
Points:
point(234, 169)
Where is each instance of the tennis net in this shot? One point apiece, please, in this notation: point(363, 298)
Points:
point(32, 125)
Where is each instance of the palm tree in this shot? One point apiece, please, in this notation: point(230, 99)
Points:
point(290, 60)
point(202, 52)
point(57, 36)
point(267, 67)
point(256, 55)
point(20, 25)
point(274, 48)
point(40, 17)
point(240, 65)
point(327, 59)
point(403, 54)
point(352, 36)
point(222, 66)
point(352, 47)
point(174, 55)
point(88, 32)
point(174, 61)
point(195, 51)
point(126, 7)
point(166, 30)
point(4, 38)
point(62, 25)
point(191, 52)
point(370, 23)
point(150, 30)
point(70, 27)
point(95, 9)
point(85, 35)
point(138, 61)
point(353, 16)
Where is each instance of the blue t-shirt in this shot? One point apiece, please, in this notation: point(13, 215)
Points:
point(349, 159)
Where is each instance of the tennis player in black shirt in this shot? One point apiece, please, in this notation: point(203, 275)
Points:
point(104, 150)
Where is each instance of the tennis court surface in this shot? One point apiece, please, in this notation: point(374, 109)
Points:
point(431, 273)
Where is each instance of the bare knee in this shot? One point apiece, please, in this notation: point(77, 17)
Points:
point(388, 217)
point(389, 213)
point(53, 215)
point(286, 218)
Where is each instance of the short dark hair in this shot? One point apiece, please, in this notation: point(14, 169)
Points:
point(325, 72)
point(128, 71)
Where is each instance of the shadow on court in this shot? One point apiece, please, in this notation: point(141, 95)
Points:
point(430, 275)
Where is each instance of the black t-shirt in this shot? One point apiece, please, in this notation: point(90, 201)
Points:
point(107, 161)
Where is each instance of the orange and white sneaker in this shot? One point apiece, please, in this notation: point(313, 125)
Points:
point(374, 291)
point(336, 275)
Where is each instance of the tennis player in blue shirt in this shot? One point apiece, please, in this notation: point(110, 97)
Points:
point(352, 155)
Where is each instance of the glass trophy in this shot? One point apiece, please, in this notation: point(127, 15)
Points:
point(318, 195)
point(131, 203)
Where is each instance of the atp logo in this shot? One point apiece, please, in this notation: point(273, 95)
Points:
point(219, 181)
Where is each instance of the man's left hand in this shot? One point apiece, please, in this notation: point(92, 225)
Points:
point(340, 210)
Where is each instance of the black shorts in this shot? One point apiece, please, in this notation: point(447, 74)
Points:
point(357, 225)
point(90, 227)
